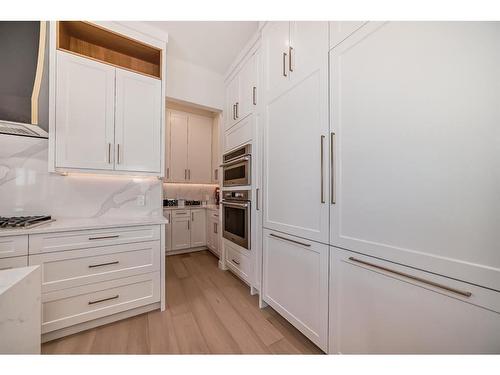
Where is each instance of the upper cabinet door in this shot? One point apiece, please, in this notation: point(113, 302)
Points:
point(199, 149)
point(232, 101)
point(417, 171)
point(275, 53)
point(295, 125)
point(84, 113)
point(340, 30)
point(247, 88)
point(308, 50)
point(138, 122)
point(177, 146)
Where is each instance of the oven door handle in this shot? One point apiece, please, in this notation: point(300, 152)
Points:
point(232, 204)
point(235, 161)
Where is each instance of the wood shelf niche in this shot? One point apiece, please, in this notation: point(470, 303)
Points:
point(94, 42)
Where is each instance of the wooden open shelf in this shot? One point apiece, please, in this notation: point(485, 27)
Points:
point(91, 41)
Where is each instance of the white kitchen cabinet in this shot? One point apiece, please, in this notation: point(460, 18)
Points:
point(295, 122)
point(232, 97)
point(379, 307)
point(189, 148)
point(198, 227)
point(275, 55)
point(216, 160)
point(181, 230)
point(241, 92)
point(295, 283)
point(178, 146)
point(85, 113)
point(138, 122)
point(416, 166)
point(199, 149)
point(340, 30)
point(213, 232)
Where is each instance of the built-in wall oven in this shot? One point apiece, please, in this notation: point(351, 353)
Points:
point(236, 217)
point(236, 167)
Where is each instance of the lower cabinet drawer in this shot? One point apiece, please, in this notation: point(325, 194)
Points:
point(67, 269)
point(380, 307)
point(13, 246)
point(14, 262)
point(238, 262)
point(295, 283)
point(84, 239)
point(72, 306)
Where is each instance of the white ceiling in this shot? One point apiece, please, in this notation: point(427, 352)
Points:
point(212, 44)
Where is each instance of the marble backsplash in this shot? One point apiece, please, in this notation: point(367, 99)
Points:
point(26, 188)
point(190, 191)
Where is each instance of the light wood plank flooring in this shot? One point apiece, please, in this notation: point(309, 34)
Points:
point(208, 311)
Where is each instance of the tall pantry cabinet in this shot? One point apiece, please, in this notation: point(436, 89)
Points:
point(295, 174)
point(415, 188)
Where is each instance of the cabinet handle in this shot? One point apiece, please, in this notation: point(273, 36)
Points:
point(237, 114)
point(192, 216)
point(103, 237)
point(104, 299)
point(185, 174)
point(118, 154)
point(103, 264)
point(333, 191)
point(109, 153)
point(411, 277)
point(234, 111)
point(322, 170)
point(216, 174)
point(254, 95)
point(290, 50)
point(189, 226)
point(257, 203)
point(235, 262)
point(168, 172)
point(288, 239)
point(284, 64)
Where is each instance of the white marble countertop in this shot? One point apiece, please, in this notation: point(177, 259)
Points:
point(11, 277)
point(69, 224)
point(213, 207)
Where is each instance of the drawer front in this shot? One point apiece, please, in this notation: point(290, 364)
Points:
point(375, 306)
point(68, 269)
point(180, 213)
point(67, 307)
point(238, 262)
point(239, 134)
point(13, 246)
point(50, 242)
point(14, 262)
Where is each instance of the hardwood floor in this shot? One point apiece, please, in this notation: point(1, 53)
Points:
point(208, 311)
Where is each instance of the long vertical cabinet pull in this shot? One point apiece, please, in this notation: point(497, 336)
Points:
point(257, 206)
point(322, 169)
point(118, 154)
point(109, 153)
point(168, 172)
point(290, 66)
point(254, 95)
point(284, 64)
point(237, 115)
point(189, 226)
point(333, 191)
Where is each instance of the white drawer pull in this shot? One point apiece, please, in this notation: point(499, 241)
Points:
point(103, 264)
point(416, 278)
point(235, 262)
point(104, 299)
point(103, 237)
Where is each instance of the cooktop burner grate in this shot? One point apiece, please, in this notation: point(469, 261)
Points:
point(24, 221)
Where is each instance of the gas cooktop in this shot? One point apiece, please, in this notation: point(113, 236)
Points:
point(24, 222)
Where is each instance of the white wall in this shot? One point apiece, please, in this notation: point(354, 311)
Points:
point(194, 84)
